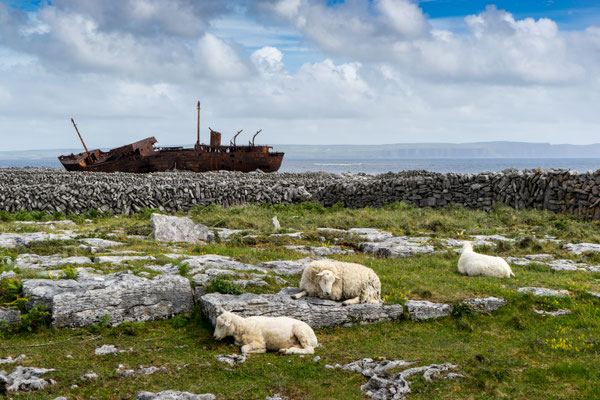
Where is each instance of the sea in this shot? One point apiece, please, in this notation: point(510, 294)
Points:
point(379, 166)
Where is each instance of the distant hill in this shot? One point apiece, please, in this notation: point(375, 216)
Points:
point(389, 151)
point(442, 150)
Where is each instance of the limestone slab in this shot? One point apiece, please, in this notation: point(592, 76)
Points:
point(318, 313)
point(420, 310)
point(543, 292)
point(166, 228)
point(125, 297)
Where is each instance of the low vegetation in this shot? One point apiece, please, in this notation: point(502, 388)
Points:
point(510, 354)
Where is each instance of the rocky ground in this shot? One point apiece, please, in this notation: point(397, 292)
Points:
point(140, 294)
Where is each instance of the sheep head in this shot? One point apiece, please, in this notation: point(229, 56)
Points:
point(225, 326)
point(326, 281)
point(467, 246)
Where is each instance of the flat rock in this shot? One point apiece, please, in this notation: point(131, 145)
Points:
point(496, 238)
point(101, 243)
point(9, 316)
point(420, 310)
point(371, 234)
point(11, 360)
point(539, 257)
point(543, 292)
point(382, 385)
point(169, 269)
point(276, 396)
point(36, 262)
point(556, 313)
point(556, 265)
point(11, 240)
point(231, 359)
point(125, 297)
point(173, 395)
point(107, 349)
point(200, 263)
point(65, 222)
point(167, 228)
point(320, 251)
point(117, 260)
point(458, 243)
point(396, 247)
point(90, 376)
point(485, 305)
point(295, 235)
point(123, 372)
point(579, 248)
point(25, 379)
point(288, 268)
point(318, 313)
point(225, 234)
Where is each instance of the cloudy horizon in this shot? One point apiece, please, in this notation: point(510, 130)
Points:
point(303, 71)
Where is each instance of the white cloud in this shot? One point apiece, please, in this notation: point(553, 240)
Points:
point(135, 68)
point(268, 60)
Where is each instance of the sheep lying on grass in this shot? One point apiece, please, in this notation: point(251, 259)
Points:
point(338, 280)
point(471, 263)
point(259, 334)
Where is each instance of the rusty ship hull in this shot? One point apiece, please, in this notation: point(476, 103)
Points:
point(142, 157)
point(139, 158)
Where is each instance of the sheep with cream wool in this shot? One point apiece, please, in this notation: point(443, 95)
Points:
point(259, 334)
point(471, 263)
point(338, 280)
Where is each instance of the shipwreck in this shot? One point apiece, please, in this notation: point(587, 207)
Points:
point(143, 156)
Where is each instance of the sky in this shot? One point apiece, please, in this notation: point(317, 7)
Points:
point(303, 71)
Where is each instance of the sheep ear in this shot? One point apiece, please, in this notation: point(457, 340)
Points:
point(321, 273)
point(227, 322)
point(337, 278)
point(221, 310)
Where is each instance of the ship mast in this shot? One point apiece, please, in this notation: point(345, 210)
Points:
point(82, 142)
point(198, 141)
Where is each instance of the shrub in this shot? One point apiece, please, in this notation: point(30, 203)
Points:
point(70, 273)
point(37, 318)
point(223, 286)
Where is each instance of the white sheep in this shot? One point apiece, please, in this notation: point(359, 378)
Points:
point(259, 334)
point(471, 263)
point(338, 280)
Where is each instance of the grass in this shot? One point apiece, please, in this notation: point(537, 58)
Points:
point(510, 354)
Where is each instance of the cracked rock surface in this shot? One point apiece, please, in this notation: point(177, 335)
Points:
point(35, 262)
point(581, 247)
point(318, 313)
point(11, 360)
point(173, 395)
point(485, 305)
point(556, 313)
point(125, 297)
point(420, 310)
point(166, 228)
point(12, 240)
point(231, 359)
point(25, 379)
point(126, 373)
point(9, 316)
point(382, 385)
point(320, 251)
point(543, 292)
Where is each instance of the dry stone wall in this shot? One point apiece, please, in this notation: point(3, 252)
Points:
point(34, 189)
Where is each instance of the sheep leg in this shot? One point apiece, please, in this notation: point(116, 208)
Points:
point(299, 295)
point(355, 300)
point(298, 350)
point(254, 347)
